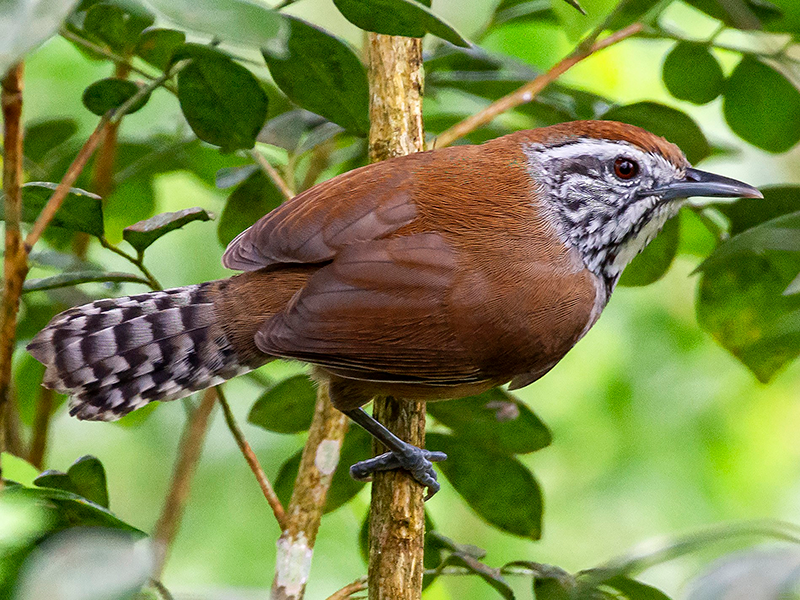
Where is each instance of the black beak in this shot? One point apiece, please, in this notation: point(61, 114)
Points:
point(701, 183)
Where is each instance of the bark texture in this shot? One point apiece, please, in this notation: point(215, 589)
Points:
point(317, 465)
point(397, 518)
point(15, 265)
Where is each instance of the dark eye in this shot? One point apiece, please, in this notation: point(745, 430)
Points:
point(625, 168)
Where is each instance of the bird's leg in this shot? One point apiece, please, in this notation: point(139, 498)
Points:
point(401, 455)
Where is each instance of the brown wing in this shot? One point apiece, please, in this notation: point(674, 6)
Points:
point(377, 312)
point(363, 204)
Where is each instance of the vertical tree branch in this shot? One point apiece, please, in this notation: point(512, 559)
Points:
point(317, 466)
point(41, 427)
point(188, 456)
point(15, 266)
point(397, 521)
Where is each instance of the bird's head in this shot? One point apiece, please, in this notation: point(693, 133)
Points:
point(610, 187)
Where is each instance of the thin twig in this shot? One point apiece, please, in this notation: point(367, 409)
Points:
point(397, 513)
point(189, 449)
point(318, 163)
point(255, 466)
point(272, 173)
point(661, 32)
point(137, 261)
point(41, 427)
point(314, 475)
point(359, 585)
point(16, 262)
point(115, 58)
point(161, 589)
point(531, 89)
point(61, 191)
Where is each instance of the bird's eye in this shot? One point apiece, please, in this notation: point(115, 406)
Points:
point(626, 168)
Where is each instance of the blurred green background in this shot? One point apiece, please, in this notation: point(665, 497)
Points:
point(657, 429)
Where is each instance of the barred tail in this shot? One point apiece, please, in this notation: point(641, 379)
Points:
point(113, 356)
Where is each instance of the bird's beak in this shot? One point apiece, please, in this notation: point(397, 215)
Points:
point(701, 183)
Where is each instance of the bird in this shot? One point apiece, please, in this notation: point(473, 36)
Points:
point(430, 276)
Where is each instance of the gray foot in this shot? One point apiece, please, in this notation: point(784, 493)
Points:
point(418, 462)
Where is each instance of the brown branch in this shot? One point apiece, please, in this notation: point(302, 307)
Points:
point(15, 266)
point(317, 465)
point(397, 521)
point(531, 89)
point(272, 173)
point(41, 427)
point(189, 449)
point(317, 164)
point(54, 203)
point(347, 591)
point(14, 442)
point(252, 461)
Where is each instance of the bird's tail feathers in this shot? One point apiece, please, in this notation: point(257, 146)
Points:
point(113, 356)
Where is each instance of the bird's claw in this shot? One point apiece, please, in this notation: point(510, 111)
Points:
point(417, 461)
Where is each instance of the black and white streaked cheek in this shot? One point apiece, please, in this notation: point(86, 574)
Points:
point(593, 210)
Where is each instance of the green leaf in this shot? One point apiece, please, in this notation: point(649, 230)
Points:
point(549, 582)
point(670, 123)
point(55, 480)
point(222, 101)
point(286, 407)
point(793, 287)
point(762, 107)
point(495, 420)
point(767, 573)
point(634, 590)
point(654, 261)
point(238, 21)
point(86, 477)
point(550, 588)
point(86, 564)
point(73, 278)
point(80, 211)
point(741, 14)
point(111, 93)
point(749, 212)
point(72, 510)
point(251, 200)
point(28, 24)
point(357, 446)
point(497, 487)
point(321, 73)
point(781, 234)
point(117, 24)
point(89, 477)
point(18, 470)
point(156, 46)
point(140, 235)
point(43, 136)
point(28, 374)
point(632, 11)
point(509, 11)
point(742, 300)
point(287, 129)
point(287, 474)
point(228, 177)
point(398, 17)
point(692, 73)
